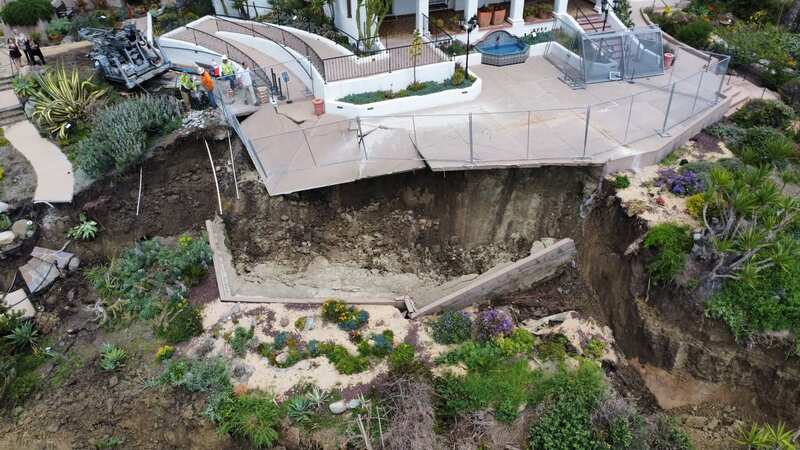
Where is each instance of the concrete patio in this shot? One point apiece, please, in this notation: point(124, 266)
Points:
point(525, 116)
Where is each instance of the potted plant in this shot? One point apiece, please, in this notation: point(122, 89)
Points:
point(54, 37)
point(499, 15)
point(484, 16)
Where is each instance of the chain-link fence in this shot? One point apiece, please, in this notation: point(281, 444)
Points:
point(489, 139)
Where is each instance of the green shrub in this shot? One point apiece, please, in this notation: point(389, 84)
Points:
point(594, 348)
point(695, 33)
point(86, 230)
point(519, 342)
point(112, 357)
point(179, 322)
point(253, 416)
point(22, 387)
point(140, 281)
point(504, 389)
point(571, 397)
point(241, 340)
point(765, 146)
point(25, 85)
point(63, 99)
point(695, 204)
point(620, 182)
point(478, 356)
point(553, 349)
point(164, 353)
point(764, 113)
point(5, 222)
point(672, 244)
point(667, 436)
point(26, 12)
point(401, 360)
point(198, 375)
point(790, 94)
point(729, 133)
point(452, 327)
point(344, 362)
point(23, 337)
point(123, 132)
point(347, 318)
point(458, 78)
point(59, 27)
point(423, 88)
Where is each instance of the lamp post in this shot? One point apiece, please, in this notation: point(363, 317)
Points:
point(469, 25)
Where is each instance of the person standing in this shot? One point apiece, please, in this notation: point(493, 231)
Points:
point(36, 50)
point(186, 85)
point(208, 83)
point(228, 72)
point(26, 46)
point(21, 40)
point(14, 54)
point(247, 84)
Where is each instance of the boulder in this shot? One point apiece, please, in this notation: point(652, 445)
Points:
point(338, 407)
point(7, 237)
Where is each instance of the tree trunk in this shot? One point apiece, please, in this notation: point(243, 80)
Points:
point(791, 16)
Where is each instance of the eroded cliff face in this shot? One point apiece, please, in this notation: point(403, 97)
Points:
point(666, 328)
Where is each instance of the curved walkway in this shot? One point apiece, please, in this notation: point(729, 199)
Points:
point(55, 180)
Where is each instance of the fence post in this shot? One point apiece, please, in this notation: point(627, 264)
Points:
point(697, 92)
point(663, 132)
point(194, 35)
point(528, 145)
point(628, 123)
point(471, 157)
point(586, 130)
point(721, 82)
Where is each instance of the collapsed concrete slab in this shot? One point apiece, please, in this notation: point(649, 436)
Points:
point(45, 266)
point(543, 263)
point(18, 302)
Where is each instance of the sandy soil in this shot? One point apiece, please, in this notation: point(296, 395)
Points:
point(641, 196)
point(220, 318)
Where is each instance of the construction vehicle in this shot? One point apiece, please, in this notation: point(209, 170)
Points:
point(125, 56)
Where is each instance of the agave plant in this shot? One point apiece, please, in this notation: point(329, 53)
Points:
point(299, 410)
point(25, 335)
point(112, 357)
point(84, 231)
point(24, 86)
point(64, 98)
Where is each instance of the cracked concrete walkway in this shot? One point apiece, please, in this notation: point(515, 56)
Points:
point(55, 180)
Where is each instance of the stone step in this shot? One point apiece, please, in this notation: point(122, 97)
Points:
point(10, 116)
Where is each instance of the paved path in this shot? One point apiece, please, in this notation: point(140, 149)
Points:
point(53, 170)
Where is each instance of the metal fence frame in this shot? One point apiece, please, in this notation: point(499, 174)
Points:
point(677, 101)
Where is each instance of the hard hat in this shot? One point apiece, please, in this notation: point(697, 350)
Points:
point(200, 70)
point(224, 58)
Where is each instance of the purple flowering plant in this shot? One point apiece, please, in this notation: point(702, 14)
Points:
point(683, 183)
point(493, 323)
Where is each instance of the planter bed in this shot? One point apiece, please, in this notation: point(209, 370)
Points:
point(428, 87)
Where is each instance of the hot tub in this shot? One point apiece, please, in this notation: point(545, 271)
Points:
point(501, 48)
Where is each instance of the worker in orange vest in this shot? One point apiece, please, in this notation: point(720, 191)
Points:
point(208, 83)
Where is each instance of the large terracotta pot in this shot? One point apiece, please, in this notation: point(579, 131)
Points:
point(499, 16)
point(484, 18)
point(668, 59)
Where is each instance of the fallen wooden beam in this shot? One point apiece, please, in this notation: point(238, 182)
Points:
point(523, 274)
